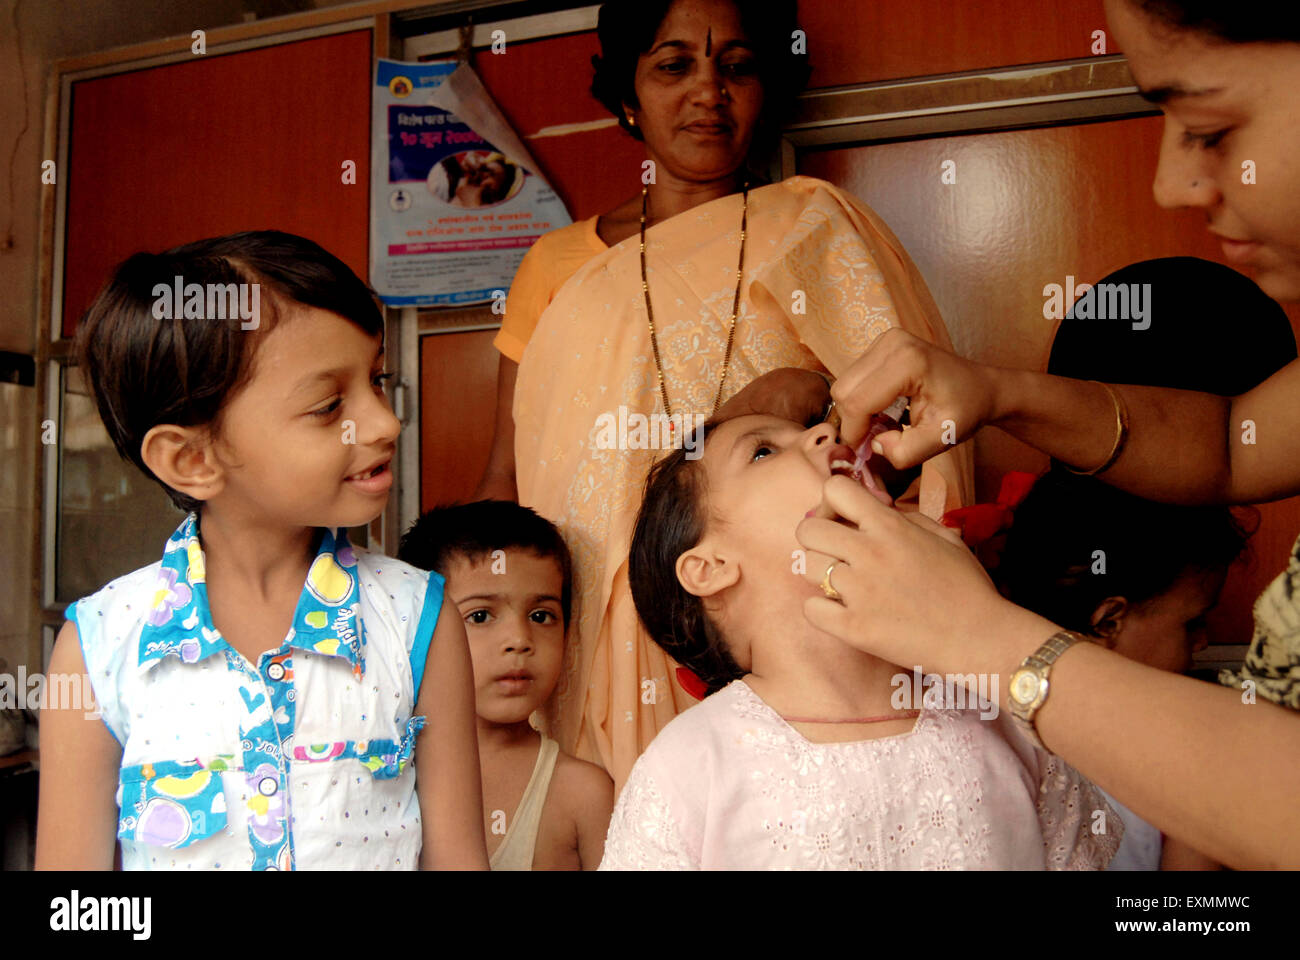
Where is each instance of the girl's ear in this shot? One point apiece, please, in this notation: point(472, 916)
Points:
point(182, 458)
point(1108, 620)
point(702, 573)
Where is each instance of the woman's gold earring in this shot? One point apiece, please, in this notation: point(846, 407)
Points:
point(631, 120)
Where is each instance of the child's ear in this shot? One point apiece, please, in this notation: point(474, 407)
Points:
point(1108, 620)
point(702, 573)
point(182, 458)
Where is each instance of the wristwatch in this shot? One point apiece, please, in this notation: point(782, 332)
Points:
point(1029, 686)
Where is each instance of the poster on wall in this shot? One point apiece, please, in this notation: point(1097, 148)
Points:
point(456, 199)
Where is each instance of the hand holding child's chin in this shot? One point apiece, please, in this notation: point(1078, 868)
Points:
point(889, 566)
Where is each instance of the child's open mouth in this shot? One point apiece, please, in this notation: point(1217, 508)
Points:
point(858, 471)
point(376, 479)
point(859, 468)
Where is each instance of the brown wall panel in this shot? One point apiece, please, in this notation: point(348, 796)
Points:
point(863, 41)
point(243, 141)
point(458, 378)
point(547, 83)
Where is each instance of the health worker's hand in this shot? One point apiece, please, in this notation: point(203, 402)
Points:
point(911, 592)
point(950, 397)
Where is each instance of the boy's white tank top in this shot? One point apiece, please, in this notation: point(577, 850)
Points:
point(516, 850)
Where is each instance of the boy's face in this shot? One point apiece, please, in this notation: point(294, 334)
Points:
point(511, 604)
point(308, 441)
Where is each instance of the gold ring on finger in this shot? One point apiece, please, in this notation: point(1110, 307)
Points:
point(828, 588)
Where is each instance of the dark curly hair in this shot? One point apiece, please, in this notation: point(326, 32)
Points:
point(672, 519)
point(1047, 565)
point(1230, 22)
point(627, 29)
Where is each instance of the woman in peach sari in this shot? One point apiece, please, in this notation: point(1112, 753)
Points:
point(622, 336)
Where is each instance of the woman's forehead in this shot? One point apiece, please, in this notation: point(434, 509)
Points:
point(707, 23)
point(1171, 63)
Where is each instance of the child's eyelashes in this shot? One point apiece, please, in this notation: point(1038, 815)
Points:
point(1206, 141)
point(325, 411)
point(377, 382)
point(483, 616)
point(762, 448)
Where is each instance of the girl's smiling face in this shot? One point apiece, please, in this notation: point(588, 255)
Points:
point(1229, 108)
point(309, 439)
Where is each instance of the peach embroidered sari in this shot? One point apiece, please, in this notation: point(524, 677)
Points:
point(823, 278)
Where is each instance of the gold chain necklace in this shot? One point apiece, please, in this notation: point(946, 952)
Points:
point(735, 303)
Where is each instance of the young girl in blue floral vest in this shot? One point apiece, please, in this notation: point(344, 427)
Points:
point(262, 688)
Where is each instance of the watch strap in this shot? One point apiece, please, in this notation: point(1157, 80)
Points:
point(1040, 662)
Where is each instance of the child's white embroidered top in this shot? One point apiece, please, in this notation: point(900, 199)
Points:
point(299, 760)
point(728, 784)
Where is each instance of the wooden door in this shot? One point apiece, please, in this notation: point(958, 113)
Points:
point(458, 379)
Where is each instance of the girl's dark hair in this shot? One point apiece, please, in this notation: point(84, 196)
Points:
point(627, 29)
point(474, 530)
point(143, 370)
point(672, 519)
point(1049, 559)
point(1233, 22)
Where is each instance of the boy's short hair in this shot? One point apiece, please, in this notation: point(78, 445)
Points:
point(473, 530)
point(144, 370)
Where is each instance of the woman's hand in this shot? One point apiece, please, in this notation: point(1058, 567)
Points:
point(910, 591)
point(789, 392)
point(950, 397)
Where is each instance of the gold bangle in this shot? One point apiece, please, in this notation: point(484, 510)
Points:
point(1121, 433)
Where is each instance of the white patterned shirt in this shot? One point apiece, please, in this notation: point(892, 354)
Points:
point(728, 784)
point(297, 761)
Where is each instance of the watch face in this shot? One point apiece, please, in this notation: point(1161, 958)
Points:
point(1024, 686)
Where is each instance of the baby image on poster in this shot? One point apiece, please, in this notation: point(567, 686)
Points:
point(475, 178)
point(457, 200)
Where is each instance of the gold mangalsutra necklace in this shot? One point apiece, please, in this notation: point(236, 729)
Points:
point(735, 304)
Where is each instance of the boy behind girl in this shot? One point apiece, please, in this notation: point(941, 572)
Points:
point(509, 574)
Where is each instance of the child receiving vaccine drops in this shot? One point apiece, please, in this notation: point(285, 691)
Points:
point(509, 574)
point(1135, 576)
point(262, 687)
point(798, 757)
